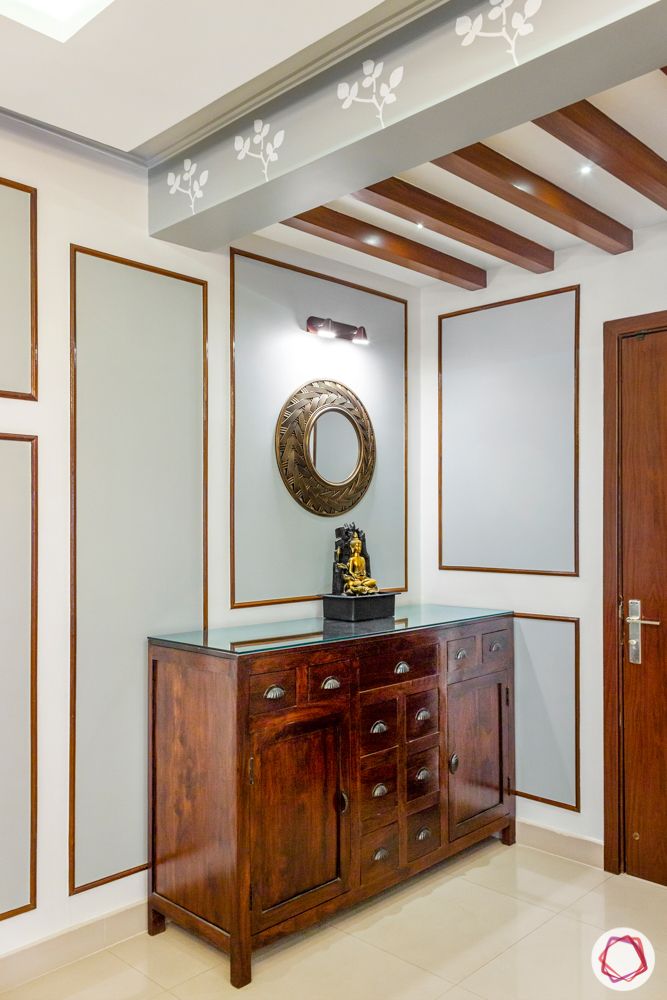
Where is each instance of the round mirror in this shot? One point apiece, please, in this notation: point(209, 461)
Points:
point(325, 447)
point(334, 447)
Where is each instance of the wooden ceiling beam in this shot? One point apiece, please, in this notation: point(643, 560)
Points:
point(358, 235)
point(418, 206)
point(588, 131)
point(508, 180)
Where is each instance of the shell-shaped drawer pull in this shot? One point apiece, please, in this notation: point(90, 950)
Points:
point(379, 727)
point(423, 774)
point(379, 791)
point(461, 654)
point(381, 854)
point(424, 834)
point(495, 647)
point(274, 693)
point(423, 715)
point(402, 667)
point(330, 684)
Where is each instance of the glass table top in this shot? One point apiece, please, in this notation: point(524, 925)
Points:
point(244, 639)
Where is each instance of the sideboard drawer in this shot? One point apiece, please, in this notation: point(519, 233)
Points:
point(379, 726)
point(398, 666)
point(423, 832)
point(423, 773)
point(272, 692)
point(496, 649)
point(463, 655)
point(379, 853)
point(328, 680)
point(421, 714)
point(379, 784)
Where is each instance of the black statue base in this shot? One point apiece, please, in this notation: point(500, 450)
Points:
point(358, 609)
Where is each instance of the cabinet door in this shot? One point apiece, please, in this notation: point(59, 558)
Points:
point(300, 815)
point(478, 752)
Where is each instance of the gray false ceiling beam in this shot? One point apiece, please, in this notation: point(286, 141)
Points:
point(418, 206)
point(588, 131)
point(357, 235)
point(508, 180)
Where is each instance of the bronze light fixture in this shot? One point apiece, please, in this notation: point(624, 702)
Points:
point(331, 329)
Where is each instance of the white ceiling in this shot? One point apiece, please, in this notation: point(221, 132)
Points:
point(141, 66)
point(640, 106)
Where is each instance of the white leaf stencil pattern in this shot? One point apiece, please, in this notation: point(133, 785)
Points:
point(510, 31)
point(259, 146)
point(379, 94)
point(186, 183)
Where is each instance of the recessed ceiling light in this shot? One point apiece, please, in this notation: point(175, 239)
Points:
point(420, 225)
point(586, 169)
point(59, 19)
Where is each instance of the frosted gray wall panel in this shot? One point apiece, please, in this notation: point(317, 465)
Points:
point(15, 291)
point(138, 532)
point(15, 674)
point(546, 709)
point(508, 436)
point(282, 550)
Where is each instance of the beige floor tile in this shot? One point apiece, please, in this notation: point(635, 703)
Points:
point(458, 993)
point(451, 930)
point(554, 963)
point(535, 877)
point(169, 958)
point(321, 965)
point(623, 901)
point(100, 977)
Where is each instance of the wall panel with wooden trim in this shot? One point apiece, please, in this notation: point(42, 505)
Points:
point(18, 673)
point(138, 532)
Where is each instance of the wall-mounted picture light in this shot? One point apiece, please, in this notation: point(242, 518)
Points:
point(330, 329)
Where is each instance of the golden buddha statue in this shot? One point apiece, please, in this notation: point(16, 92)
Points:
point(354, 571)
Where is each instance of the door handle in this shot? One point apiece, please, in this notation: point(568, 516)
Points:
point(635, 622)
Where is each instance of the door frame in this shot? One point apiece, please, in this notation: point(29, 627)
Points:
point(614, 835)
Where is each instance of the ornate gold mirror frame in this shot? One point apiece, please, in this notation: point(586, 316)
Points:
point(293, 452)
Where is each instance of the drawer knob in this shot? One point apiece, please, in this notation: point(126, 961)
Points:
point(344, 802)
point(495, 647)
point(381, 854)
point(423, 774)
point(454, 763)
point(379, 791)
point(274, 693)
point(330, 684)
point(402, 667)
point(379, 727)
point(423, 715)
point(424, 834)
point(461, 654)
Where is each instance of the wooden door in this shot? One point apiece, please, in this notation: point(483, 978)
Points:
point(478, 751)
point(300, 813)
point(643, 577)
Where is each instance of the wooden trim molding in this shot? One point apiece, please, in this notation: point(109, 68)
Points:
point(9, 393)
point(31, 439)
point(481, 308)
point(74, 250)
point(614, 835)
point(234, 253)
point(576, 807)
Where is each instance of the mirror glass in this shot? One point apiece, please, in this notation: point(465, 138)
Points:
point(334, 446)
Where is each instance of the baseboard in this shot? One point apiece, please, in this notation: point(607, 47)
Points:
point(51, 953)
point(566, 845)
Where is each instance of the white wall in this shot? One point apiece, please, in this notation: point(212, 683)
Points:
point(611, 287)
point(101, 202)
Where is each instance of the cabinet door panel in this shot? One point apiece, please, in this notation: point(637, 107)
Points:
point(299, 815)
point(477, 752)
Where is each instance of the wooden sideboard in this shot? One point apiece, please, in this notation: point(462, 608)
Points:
point(297, 773)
